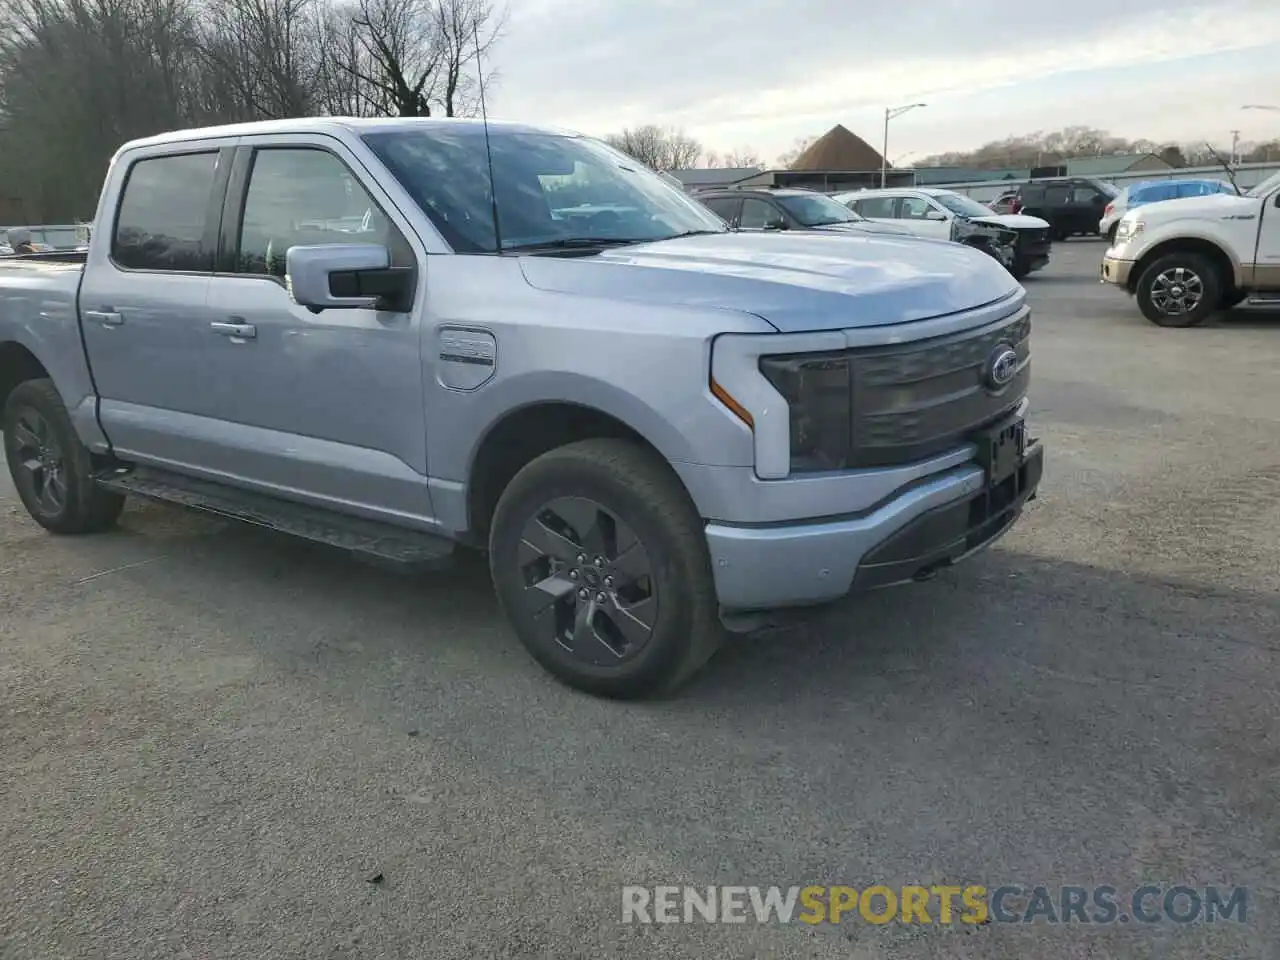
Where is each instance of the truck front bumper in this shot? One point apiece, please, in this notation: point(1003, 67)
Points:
point(1114, 270)
point(929, 525)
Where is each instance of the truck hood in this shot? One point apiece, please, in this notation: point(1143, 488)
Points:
point(1215, 206)
point(1013, 221)
point(797, 282)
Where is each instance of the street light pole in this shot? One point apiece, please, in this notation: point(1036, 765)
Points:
point(889, 114)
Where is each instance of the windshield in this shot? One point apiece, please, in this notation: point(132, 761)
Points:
point(962, 205)
point(818, 210)
point(1265, 187)
point(549, 189)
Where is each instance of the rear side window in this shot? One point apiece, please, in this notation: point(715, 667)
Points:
point(722, 207)
point(1057, 196)
point(1032, 195)
point(163, 213)
point(877, 208)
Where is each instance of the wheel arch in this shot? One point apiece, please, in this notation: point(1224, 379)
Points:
point(522, 434)
point(1228, 268)
point(17, 365)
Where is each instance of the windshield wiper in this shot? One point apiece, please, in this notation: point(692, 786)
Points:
point(574, 243)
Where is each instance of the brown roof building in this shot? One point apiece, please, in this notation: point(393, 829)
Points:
point(838, 149)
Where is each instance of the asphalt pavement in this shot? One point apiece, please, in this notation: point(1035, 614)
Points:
point(217, 743)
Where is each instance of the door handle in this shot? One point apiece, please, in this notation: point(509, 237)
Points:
point(107, 318)
point(235, 329)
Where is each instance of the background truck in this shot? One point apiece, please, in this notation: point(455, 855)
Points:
point(402, 337)
point(1186, 259)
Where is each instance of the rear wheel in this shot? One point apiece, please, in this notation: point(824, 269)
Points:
point(601, 565)
point(1179, 290)
point(51, 469)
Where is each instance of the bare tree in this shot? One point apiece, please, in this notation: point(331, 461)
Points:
point(264, 55)
point(801, 144)
point(414, 57)
point(657, 147)
point(740, 158)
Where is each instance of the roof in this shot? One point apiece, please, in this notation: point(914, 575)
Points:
point(357, 125)
point(837, 149)
point(713, 176)
point(771, 191)
point(1107, 165)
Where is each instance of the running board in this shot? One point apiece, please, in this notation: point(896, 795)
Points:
point(1268, 299)
point(368, 538)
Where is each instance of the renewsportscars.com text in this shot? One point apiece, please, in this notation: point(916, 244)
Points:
point(941, 904)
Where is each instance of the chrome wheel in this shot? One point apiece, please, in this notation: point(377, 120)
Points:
point(40, 461)
point(587, 581)
point(1177, 291)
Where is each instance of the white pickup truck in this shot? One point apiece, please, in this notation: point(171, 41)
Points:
point(1185, 259)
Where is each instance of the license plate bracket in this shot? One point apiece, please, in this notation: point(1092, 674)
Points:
point(1002, 448)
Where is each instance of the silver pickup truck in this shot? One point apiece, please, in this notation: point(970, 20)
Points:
point(404, 336)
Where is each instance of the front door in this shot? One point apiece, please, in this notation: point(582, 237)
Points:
point(922, 216)
point(327, 406)
point(143, 304)
point(1267, 269)
point(759, 214)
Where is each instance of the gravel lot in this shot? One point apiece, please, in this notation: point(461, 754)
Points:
point(212, 739)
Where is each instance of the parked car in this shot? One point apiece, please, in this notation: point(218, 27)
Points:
point(945, 214)
point(1152, 191)
point(769, 210)
point(654, 426)
point(1070, 205)
point(1007, 202)
point(1185, 259)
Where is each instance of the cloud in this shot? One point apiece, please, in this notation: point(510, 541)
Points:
point(760, 73)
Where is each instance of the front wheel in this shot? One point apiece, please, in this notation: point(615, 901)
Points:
point(51, 469)
point(1179, 290)
point(600, 563)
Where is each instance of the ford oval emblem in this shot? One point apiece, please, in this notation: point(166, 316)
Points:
point(1002, 367)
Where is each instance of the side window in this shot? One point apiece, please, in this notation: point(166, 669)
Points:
point(878, 208)
point(723, 207)
point(302, 196)
point(757, 214)
point(1083, 195)
point(1033, 195)
point(161, 221)
point(915, 208)
point(1057, 196)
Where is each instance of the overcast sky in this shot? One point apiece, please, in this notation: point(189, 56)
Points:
point(759, 74)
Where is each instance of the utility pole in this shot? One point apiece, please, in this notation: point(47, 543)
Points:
point(1235, 142)
point(889, 114)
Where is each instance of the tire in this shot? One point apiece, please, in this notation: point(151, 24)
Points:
point(638, 490)
point(1175, 278)
point(60, 494)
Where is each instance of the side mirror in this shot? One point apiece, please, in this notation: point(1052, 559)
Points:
point(937, 215)
point(776, 225)
point(346, 276)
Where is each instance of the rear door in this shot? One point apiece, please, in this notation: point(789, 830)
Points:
point(882, 209)
point(143, 302)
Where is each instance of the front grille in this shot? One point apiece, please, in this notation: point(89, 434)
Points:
point(912, 401)
point(1034, 241)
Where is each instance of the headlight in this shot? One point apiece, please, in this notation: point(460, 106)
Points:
point(819, 394)
point(1128, 229)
